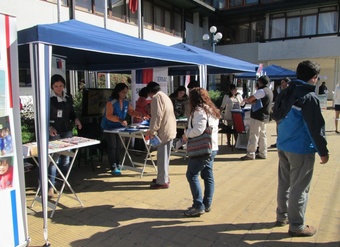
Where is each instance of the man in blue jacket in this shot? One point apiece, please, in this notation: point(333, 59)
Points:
point(301, 134)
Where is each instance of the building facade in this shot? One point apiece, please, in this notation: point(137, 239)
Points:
point(281, 32)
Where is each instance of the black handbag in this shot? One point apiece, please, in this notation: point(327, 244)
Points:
point(201, 145)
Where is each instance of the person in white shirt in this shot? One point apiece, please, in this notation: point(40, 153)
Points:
point(203, 113)
point(337, 106)
point(232, 100)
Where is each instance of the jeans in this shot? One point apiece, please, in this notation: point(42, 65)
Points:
point(114, 148)
point(201, 166)
point(295, 175)
point(62, 161)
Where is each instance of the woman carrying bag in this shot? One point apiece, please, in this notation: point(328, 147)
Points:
point(204, 119)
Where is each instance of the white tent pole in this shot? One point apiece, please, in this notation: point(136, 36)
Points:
point(40, 60)
point(107, 75)
point(203, 75)
point(58, 9)
point(140, 24)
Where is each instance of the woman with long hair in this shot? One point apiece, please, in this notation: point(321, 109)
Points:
point(203, 113)
point(179, 99)
point(116, 110)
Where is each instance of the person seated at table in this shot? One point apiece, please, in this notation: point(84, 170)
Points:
point(62, 120)
point(179, 100)
point(115, 113)
point(232, 100)
point(143, 107)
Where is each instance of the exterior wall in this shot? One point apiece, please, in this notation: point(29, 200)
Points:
point(32, 12)
point(247, 52)
point(289, 53)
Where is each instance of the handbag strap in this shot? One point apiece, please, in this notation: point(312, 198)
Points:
point(192, 116)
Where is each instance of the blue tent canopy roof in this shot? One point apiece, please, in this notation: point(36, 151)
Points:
point(274, 72)
point(216, 63)
point(93, 48)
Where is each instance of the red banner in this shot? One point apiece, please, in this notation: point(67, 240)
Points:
point(133, 5)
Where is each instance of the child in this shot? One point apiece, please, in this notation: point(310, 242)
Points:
point(7, 141)
point(6, 173)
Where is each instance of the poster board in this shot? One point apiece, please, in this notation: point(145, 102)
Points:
point(93, 101)
point(12, 188)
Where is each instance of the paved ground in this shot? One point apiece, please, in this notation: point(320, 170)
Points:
point(123, 211)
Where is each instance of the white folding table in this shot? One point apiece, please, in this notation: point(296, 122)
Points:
point(68, 147)
point(130, 134)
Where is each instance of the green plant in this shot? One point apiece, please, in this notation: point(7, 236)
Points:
point(27, 120)
point(216, 97)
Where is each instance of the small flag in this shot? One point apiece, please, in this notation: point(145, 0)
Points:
point(133, 5)
point(59, 64)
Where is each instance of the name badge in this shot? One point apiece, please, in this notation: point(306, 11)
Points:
point(60, 113)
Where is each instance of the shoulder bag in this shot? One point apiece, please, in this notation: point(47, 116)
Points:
point(201, 145)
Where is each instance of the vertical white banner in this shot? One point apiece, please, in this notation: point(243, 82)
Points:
point(12, 188)
point(160, 75)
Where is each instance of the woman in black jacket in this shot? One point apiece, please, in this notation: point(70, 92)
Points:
point(62, 120)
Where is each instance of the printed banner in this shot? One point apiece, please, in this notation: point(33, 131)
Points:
point(12, 187)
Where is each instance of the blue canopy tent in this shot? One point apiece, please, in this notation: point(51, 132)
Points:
point(85, 47)
point(88, 47)
point(215, 63)
point(274, 72)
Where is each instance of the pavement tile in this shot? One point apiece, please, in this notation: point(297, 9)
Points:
point(123, 211)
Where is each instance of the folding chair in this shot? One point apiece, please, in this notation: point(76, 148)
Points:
point(239, 126)
point(238, 122)
point(226, 129)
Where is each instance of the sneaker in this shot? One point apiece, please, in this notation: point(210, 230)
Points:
point(258, 157)
point(194, 212)
point(282, 223)
point(308, 231)
point(207, 209)
point(115, 171)
point(159, 186)
point(246, 157)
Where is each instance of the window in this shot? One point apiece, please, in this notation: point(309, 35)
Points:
point(277, 28)
point(178, 24)
point(147, 10)
point(117, 7)
point(158, 18)
point(235, 3)
point(251, 2)
point(293, 27)
point(84, 5)
point(308, 25)
point(167, 21)
point(219, 4)
point(307, 22)
point(100, 7)
point(327, 23)
point(132, 17)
